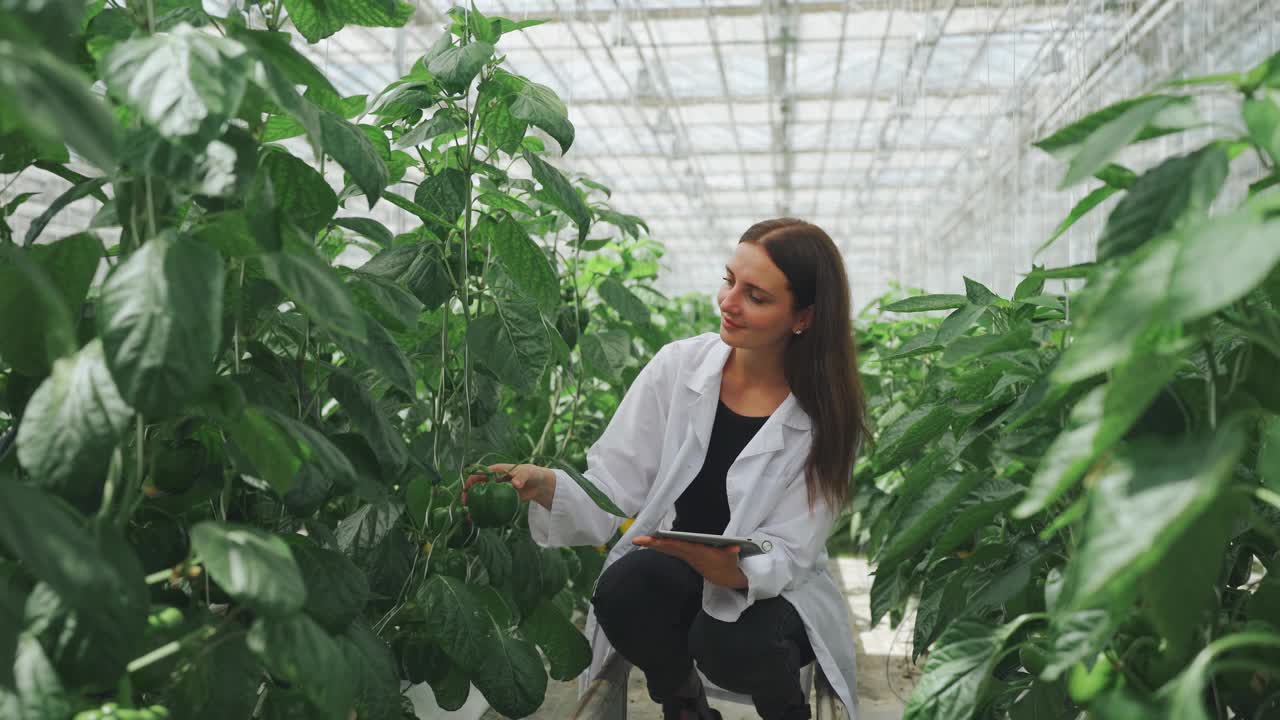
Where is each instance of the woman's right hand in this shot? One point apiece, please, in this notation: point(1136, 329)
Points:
point(532, 482)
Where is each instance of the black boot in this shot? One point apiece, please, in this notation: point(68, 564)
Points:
point(689, 702)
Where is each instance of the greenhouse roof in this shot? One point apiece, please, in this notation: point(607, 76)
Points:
point(705, 116)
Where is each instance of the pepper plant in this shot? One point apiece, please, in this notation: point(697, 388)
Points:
point(230, 463)
point(1083, 489)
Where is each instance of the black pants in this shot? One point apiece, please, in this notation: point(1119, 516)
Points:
point(650, 607)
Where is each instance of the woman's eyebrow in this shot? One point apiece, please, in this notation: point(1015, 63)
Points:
point(766, 292)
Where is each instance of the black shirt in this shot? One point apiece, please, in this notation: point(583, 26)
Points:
point(703, 507)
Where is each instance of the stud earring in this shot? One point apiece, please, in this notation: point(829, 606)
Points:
point(798, 331)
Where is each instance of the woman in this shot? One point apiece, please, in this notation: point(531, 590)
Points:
point(749, 432)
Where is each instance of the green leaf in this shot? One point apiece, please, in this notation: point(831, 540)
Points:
point(318, 292)
point(337, 590)
point(76, 192)
point(71, 264)
point(318, 19)
point(525, 260)
point(629, 307)
point(362, 532)
point(502, 130)
point(274, 453)
point(300, 192)
point(454, 618)
point(39, 328)
point(1097, 422)
point(512, 678)
point(919, 344)
point(444, 121)
point(457, 66)
point(374, 669)
point(494, 555)
point(71, 425)
point(220, 682)
point(160, 320)
point(349, 145)
point(1178, 278)
point(597, 496)
point(82, 566)
point(512, 343)
point(1140, 504)
point(388, 303)
point(1107, 140)
point(381, 352)
point(1082, 208)
point(297, 650)
point(993, 497)
point(562, 194)
point(252, 566)
point(538, 105)
point(909, 434)
point(925, 303)
point(444, 195)
point(57, 104)
point(958, 323)
point(275, 50)
point(978, 294)
point(958, 671)
point(367, 227)
point(368, 418)
point(1262, 117)
point(916, 527)
point(606, 353)
point(1077, 637)
point(37, 692)
point(184, 82)
point(965, 349)
point(1067, 142)
point(1180, 187)
point(1269, 455)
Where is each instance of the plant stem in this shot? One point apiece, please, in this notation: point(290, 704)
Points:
point(170, 648)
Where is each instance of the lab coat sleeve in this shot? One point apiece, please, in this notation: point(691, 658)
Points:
point(622, 464)
point(799, 537)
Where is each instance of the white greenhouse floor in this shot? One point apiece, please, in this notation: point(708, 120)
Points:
point(885, 673)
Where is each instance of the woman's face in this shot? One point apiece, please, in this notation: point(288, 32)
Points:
point(756, 302)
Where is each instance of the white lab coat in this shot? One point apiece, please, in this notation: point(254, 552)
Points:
point(649, 453)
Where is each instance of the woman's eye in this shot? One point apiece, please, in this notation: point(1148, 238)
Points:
point(728, 281)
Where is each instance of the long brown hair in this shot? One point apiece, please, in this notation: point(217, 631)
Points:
point(821, 364)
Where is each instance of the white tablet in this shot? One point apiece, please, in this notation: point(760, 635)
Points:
point(746, 546)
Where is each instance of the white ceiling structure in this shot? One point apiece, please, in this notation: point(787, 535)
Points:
point(705, 116)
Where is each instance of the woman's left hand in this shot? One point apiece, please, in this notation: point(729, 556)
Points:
point(717, 565)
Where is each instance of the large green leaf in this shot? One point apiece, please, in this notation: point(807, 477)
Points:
point(561, 192)
point(1180, 277)
point(275, 50)
point(182, 82)
point(597, 496)
point(512, 678)
point(299, 191)
point(958, 323)
point(1096, 423)
point(991, 498)
point(1140, 505)
point(456, 620)
point(388, 303)
point(1108, 139)
point(1066, 142)
point(297, 650)
point(367, 227)
point(538, 105)
point(39, 327)
point(444, 195)
point(381, 352)
point(160, 319)
point(926, 303)
point(1076, 637)
point(83, 567)
point(620, 298)
point(71, 264)
point(337, 590)
point(910, 433)
point(526, 262)
point(349, 145)
point(512, 343)
point(318, 19)
point(606, 353)
point(958, 671)
point(371, 421)
point(361, 533)
point(57, 103)
point(318, 291)
point(252, 566)
point(1262, 116)
point(1180, 187)
point(457, 66)
point(273, 452)
point(219, 683)
point(72, 424)
point(444, 121)
point(915, 527)
point(37, 692)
